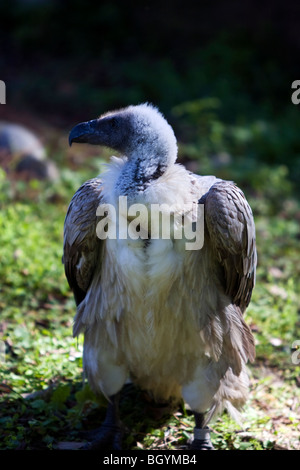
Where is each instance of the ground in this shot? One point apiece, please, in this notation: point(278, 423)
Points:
point(44, 403)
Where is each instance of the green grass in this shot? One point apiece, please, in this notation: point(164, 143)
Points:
point(44, 403)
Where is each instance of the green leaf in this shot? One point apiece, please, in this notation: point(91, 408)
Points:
point(60, 396)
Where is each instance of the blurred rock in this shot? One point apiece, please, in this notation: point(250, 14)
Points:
point(23, 156)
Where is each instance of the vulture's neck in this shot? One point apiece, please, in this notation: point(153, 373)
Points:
point(144, 166)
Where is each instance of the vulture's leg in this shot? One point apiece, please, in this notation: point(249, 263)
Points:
point(109, 435)
point(201, 439)
point(199, 394)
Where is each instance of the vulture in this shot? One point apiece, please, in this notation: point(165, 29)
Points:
point(155, 307)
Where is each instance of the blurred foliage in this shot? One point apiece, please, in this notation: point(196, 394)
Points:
point(263, 153)
point(230, 84)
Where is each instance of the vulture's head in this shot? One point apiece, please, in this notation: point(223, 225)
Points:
point(136, 132)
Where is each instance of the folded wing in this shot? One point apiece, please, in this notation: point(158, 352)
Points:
point(82, 247)
point(230, 226)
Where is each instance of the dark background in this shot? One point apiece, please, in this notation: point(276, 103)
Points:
point(66, 61)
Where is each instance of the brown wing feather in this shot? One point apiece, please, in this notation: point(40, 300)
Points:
point(81, 244)
point(231, 229)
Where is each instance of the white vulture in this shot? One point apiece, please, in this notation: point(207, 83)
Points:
point(152, 308)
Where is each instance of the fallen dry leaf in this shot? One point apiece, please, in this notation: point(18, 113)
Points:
point(276, 342)
point(5, 388)
point(278, 291)
point(276, 272)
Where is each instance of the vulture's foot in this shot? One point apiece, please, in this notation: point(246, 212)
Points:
point(201, 439)
point(107, 437)
point(202, 444)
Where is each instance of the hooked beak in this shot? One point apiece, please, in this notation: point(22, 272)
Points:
point(85, 132)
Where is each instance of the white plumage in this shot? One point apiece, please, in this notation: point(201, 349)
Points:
point(169, 318)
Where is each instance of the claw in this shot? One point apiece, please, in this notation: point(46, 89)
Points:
point(202, 444)
point(106, 437)
point(110, 434)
